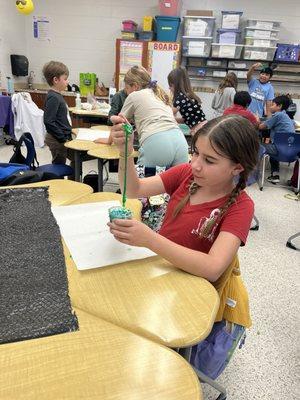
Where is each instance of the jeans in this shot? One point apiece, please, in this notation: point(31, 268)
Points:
point(272, 151)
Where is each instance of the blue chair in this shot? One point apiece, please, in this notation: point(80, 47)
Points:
point(60, 170)
point(288, 150)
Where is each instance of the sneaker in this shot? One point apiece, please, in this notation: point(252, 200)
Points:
point(273, 179)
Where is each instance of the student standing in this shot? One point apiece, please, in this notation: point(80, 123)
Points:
point(56, 115)
point(185, 100)
point(224, 95)
point(279, 122)
point(162, 143)
point(208, 217)
point(261, 90)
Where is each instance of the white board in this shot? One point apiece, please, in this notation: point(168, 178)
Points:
point(91, 134)
point(162, 65)
point(85, 231)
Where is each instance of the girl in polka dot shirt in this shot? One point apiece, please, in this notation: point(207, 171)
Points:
point(185, 100)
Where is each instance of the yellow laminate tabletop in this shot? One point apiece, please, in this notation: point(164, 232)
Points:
point(81, 145)
point(100, 361)
point(61, 191)
point(148, 297)
point(106, 152)
point(92, 113)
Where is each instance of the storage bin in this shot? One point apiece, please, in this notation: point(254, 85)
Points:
point(196, 71)
point(239, 74)
point(260, 42)
point(261, 34)
point(216, 63)
point(237, 64)
point(219, 74)
point(231, 19)
point(265, 25)
point(146, 35)
point(170, 8)
point(167, 28)
point(128, 35)
point(229, 36)
point(147, 23)
point(220, 50)
point(199, 26)
point(259, 53)
point(196, 47)
point(129, 26)
point(287, 52)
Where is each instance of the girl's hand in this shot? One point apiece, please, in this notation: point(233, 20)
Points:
point(118, 135)
point(132, 232)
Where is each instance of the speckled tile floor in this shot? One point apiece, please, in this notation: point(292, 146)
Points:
point(267, 367)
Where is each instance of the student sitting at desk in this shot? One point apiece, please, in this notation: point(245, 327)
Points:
point(56, 115)
point(208, 218)
point(241, 102)
point(279, 122)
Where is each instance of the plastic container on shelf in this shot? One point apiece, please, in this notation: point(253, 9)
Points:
point(146, 35)
point(287, 52)
point(231, 19)
point(196, 46)
point(169, 8)
point(216, 63)
point(198, 26)
point(261, 33)
point(260, 42)
point(128, 35)
point(147, 23)
point(229, 36)
point(259, 53)
point(220, 50)
point(219, 74)
point(167, 28)
point(197, 71)
point(129, 26)
point(265, 25)
point(239, 74)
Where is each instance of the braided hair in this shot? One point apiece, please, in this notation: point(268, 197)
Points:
point(235, 138)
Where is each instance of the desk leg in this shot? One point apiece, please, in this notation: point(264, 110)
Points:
point(77, 161)
point(100, 175)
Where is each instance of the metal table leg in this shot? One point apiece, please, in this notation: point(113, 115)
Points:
point(100, 175)
point(290, 244)
point(77, 161)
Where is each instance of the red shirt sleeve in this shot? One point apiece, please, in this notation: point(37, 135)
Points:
point(173, 177)
point(252, 118)
point(238, 218)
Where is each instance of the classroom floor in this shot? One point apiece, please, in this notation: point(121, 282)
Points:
point(267, 367)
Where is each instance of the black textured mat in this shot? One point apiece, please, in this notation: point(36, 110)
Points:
point(34, 300)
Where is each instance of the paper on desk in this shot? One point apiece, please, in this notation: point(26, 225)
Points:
point(85, 231)
point(91, 134)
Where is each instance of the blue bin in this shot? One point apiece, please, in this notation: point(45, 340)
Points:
point(167, 28)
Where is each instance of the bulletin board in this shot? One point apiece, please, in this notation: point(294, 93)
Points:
point(163, 57)
point(128, 54)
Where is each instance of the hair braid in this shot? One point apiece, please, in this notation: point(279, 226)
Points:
point(234, 194)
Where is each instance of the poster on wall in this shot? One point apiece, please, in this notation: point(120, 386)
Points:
point(41, 28)
point(162, 58)
point(131, 53)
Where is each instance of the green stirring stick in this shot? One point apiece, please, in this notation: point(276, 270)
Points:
point(127, 128)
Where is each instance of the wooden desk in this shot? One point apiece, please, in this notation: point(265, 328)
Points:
point(103, 153)
point(61, 191)
point(148, 297)
point(93, 116)
point(100, 361)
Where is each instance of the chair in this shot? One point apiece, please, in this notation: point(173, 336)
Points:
point(255, 177)
point(290, 244)
point(60, 170)
point(288, 150)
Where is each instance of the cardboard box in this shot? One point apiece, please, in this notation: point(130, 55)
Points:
point(200, 13)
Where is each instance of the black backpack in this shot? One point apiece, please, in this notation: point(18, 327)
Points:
point(30, 158)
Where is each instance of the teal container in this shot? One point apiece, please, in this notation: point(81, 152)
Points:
point(167, 28)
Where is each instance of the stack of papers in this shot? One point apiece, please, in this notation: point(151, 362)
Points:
point(85, 231)
point(91, 134)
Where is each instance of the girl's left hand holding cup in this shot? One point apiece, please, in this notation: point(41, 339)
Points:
point(131, 232)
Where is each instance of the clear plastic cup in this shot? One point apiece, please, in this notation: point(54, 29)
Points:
point(118, 212)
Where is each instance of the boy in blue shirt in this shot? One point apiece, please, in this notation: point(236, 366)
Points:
point(260, 90)
point(280, 122)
